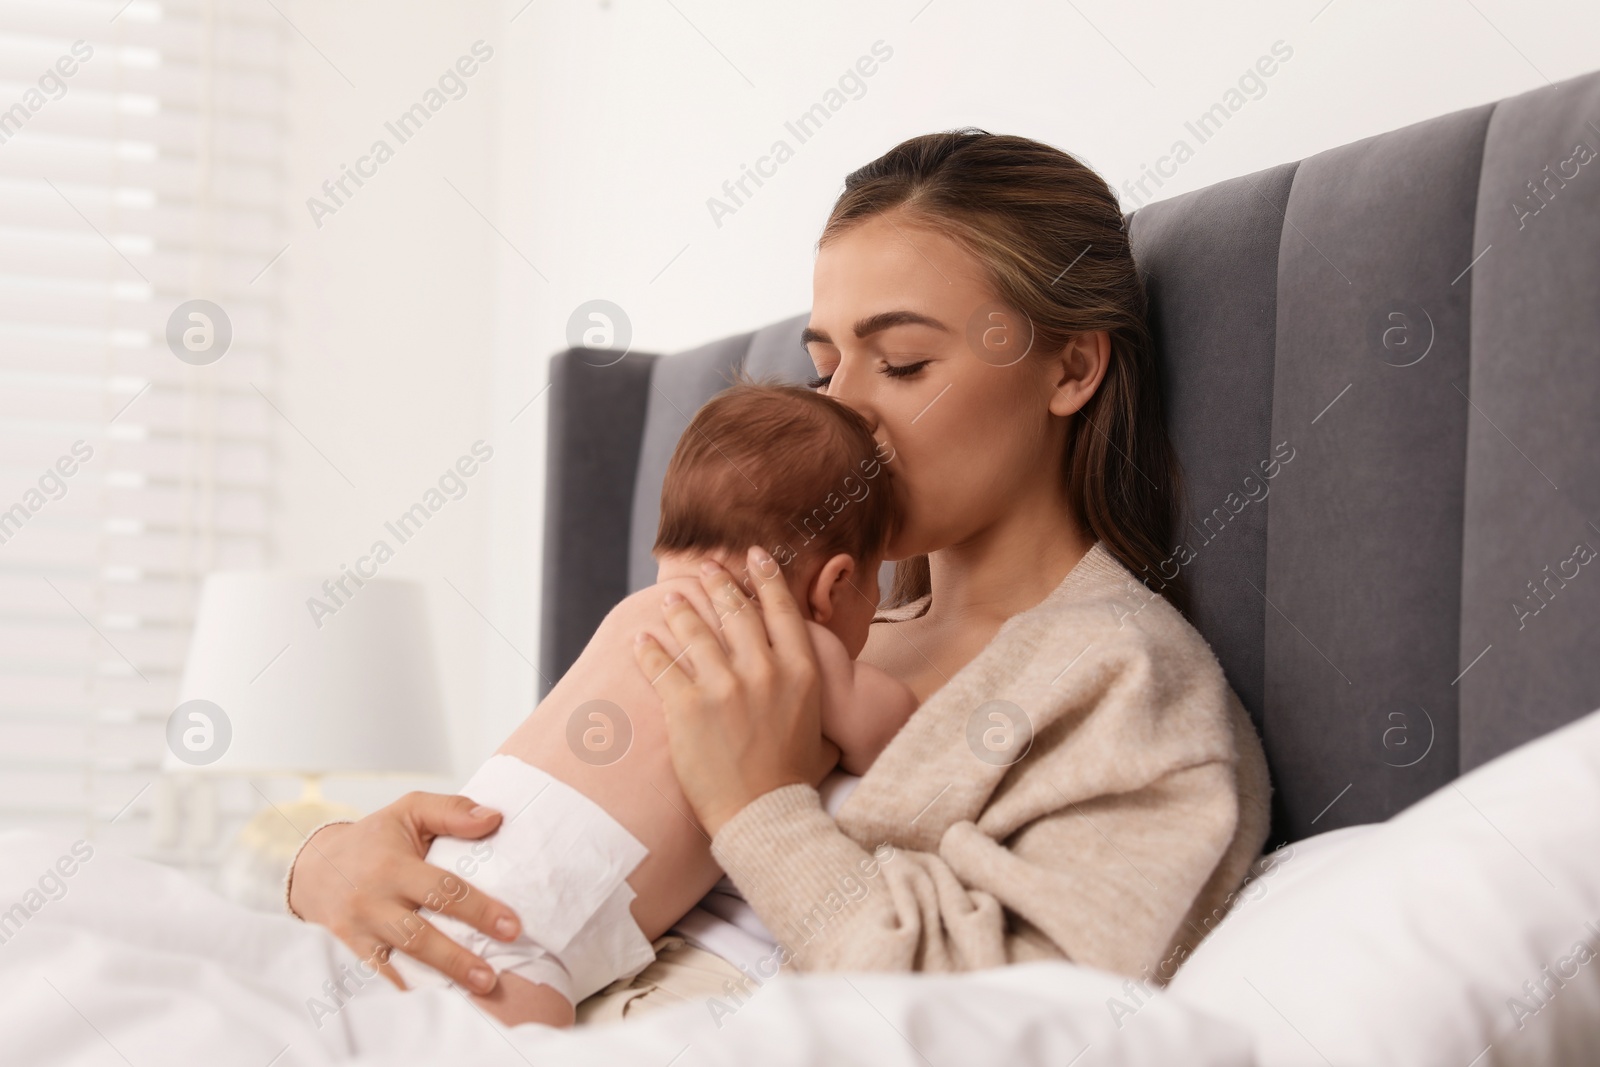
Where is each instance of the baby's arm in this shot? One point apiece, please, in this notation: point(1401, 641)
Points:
point(878, 707)
point(863, 706)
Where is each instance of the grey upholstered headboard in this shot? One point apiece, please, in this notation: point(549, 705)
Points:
point(1417, 317)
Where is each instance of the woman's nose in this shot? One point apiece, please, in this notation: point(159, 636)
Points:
point(843, 388)
point(838, 380)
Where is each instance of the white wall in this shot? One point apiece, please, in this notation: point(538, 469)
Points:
point(387, 367)
point(592, 141)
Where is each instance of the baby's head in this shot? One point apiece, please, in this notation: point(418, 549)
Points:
point(783, 467)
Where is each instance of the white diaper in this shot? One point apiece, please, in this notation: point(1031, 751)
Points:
point(561, 863)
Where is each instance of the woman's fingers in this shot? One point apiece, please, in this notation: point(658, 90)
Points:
point(375, 954)
point(440, 890)
point(437, 815)
point(444, 955)
point(707, 661)
point(669, 680)
point(430, 815)
point(406, 931)
point(783, 624)
point(743, 629)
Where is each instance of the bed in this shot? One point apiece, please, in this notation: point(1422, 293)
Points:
point(1463, 931)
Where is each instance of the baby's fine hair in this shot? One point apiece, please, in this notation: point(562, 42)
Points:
point(781, 466)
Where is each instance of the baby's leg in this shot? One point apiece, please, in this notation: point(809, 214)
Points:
point(638, 788)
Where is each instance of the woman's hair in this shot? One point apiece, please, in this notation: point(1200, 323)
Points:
point(1052, 240)
point(778, 465)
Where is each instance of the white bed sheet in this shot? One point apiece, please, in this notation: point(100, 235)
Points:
point(128, 962)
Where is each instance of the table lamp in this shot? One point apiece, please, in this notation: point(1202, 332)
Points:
point(297, 675)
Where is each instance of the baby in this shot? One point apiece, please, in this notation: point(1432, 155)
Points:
point(598, 851)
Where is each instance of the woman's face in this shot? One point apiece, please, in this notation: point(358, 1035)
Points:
point(901, 330)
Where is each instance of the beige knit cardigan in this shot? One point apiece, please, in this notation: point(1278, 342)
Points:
point(1116, 841)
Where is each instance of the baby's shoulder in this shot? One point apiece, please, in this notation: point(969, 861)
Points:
point(833, 659)
point(644, 605)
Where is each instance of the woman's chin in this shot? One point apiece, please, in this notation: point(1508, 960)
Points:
point(909, 549)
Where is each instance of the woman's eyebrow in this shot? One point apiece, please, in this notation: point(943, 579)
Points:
point(873, 323)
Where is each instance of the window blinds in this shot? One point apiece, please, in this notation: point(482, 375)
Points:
point(141, 149)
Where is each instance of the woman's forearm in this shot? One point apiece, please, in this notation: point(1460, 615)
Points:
point(833, 905)
point(294, 861)
point(1109, 881)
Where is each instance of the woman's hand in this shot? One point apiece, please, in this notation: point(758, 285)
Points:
point(746, 725)
point(364, 881)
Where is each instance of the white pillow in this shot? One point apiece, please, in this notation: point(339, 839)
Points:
point(1426, 939)
point(1276, 871)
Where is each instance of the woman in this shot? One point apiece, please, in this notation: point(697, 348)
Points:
point(1080, 781)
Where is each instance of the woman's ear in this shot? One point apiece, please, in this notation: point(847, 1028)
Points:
point(1077, 370)
point(831, 582)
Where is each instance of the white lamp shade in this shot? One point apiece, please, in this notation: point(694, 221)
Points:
point(309, 690)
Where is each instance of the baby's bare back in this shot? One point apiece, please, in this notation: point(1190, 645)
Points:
point(600, 731)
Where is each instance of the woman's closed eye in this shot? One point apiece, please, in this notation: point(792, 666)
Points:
point(903, 371)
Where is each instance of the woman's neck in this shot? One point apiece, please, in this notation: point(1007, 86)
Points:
point(1006, 569)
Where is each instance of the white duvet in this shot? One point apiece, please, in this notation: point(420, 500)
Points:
point(127, 963)
point(1464, 932)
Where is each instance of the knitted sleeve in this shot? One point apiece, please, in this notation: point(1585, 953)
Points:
point(1106, 883)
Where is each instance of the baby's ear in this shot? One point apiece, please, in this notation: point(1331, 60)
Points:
point(831, 583)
